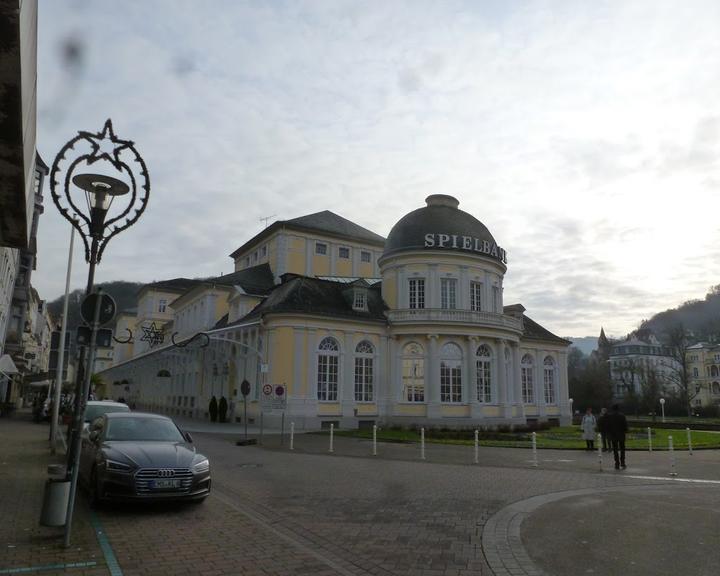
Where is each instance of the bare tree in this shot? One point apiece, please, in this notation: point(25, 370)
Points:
point(678, 371)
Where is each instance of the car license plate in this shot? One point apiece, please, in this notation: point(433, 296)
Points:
point(165, 484)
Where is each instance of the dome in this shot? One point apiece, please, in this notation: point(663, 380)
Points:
point(442, 226)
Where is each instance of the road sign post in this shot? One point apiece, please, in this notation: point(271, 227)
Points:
point(245, 390)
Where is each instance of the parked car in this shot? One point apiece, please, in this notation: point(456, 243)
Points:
point(96, 408)
point(140, 456)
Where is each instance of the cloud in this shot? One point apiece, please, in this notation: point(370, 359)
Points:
point(582, 135)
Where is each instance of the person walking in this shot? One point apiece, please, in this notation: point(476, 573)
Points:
point(603, 429)
point(588, 425)
point(617, 428)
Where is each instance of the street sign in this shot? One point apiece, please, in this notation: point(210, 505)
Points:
point(245, 388)
point(103, 337)
point(107, 308)
point(273, 397)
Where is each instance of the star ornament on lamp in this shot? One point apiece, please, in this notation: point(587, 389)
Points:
point(152, 335)
point(92, 172)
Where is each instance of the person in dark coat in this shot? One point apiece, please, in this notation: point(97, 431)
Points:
point(617, 428)
point(603, 429)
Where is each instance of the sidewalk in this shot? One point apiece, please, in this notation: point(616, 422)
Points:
point(25, 546)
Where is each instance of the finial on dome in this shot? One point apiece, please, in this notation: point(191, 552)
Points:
point(442, 200)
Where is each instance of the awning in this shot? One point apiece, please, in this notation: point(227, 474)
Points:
point(40, 384)
point(7, 366)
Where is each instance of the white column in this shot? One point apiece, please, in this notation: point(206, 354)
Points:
point(518, 379)
point(432, 287)
point(432, 377)
point(332, 249)
point(402, 288)
point(346, 387)
point(309, 251)
point(469, 395)
point(355, 254)
point(383, 378)
point(562, 392)
point(463, 295)
point(540, 373)
point(502, 384)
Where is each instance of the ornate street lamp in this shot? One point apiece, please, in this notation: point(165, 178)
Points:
point(93, 170)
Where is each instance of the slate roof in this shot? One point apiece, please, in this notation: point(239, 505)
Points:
point(254, 280)
point(533, 331)
point(326, 222)
point(174, 285)
point(308, 295)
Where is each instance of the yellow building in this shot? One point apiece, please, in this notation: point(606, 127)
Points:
point(358, 329)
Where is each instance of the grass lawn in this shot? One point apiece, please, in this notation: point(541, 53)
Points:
point(567, 437)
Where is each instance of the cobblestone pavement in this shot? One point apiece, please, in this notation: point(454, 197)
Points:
point(24, 457)
point(274, 511)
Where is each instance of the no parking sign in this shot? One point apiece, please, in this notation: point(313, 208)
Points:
point(274, 397)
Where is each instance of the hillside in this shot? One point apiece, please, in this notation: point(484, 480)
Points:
point(701, 317)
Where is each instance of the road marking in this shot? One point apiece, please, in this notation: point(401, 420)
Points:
point(107, 550)
point(48, 567)
point(671, 479)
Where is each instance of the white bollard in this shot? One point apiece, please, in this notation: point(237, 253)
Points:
point(649, 440)
point(477, 459)
point(599, 441)
point(672, 456)
point(332, 431)
point(292, 435)
point(689, 441)
point(534, 450)
point(374, 440)
point(422, 443)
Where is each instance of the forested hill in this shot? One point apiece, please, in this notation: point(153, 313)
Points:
point(702, 317)
point(124, 294)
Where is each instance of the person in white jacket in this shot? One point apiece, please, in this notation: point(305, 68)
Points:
point(589, 427)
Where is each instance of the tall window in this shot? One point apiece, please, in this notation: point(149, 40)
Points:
point(365, 256)
point(417, 292)
point(526, 375)
point(483, 363)
point(320, 248)
point(327, 370)
point(162, 304)
point(549, 372)
point(448, 292)
point(476, 296)
point(695, 372)
point(360, 299)
point(344, 252)
point(450, 373)
point(413, 375)
point(364, 372)
point(496, 299)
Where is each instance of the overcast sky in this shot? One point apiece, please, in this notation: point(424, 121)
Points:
point(584, 135)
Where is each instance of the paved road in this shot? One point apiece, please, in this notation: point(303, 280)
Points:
point(273, 511)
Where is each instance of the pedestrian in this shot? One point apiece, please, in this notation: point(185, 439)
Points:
point(588, 426)
point(617, 428)
point(603, 429)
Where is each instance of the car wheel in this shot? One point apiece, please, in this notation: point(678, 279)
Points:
point(93, 490)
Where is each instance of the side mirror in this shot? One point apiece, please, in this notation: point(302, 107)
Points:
point(188, 437)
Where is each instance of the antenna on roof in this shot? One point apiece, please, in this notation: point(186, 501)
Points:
point(266, 219)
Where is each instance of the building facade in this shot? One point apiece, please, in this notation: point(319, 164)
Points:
point(358, 329)
point(704, 366)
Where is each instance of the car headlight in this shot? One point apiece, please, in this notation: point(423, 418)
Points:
point(202, 466)
point(117, 466)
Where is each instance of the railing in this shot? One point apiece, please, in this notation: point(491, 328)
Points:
point(456, 316)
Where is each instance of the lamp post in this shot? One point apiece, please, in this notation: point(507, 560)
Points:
point(93, 169)
point(572, 414)
point(662, 407)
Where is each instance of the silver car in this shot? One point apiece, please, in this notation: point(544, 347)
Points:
point(138, 456)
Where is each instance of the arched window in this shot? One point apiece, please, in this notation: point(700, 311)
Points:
point(483, 363)
point(327, 370)
point(716, 388)
point(450, 373)
point(364, 353)
point(526, 374)
point(549, 372)
point(713, 371)
point(413, 375)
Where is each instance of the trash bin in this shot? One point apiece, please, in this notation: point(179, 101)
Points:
point(55, 502)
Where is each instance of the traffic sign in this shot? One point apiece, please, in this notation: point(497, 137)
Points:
point(107, 308)
point(245, 388)
point(274, 397)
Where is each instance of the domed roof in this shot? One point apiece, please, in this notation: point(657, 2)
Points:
point(442, 226)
